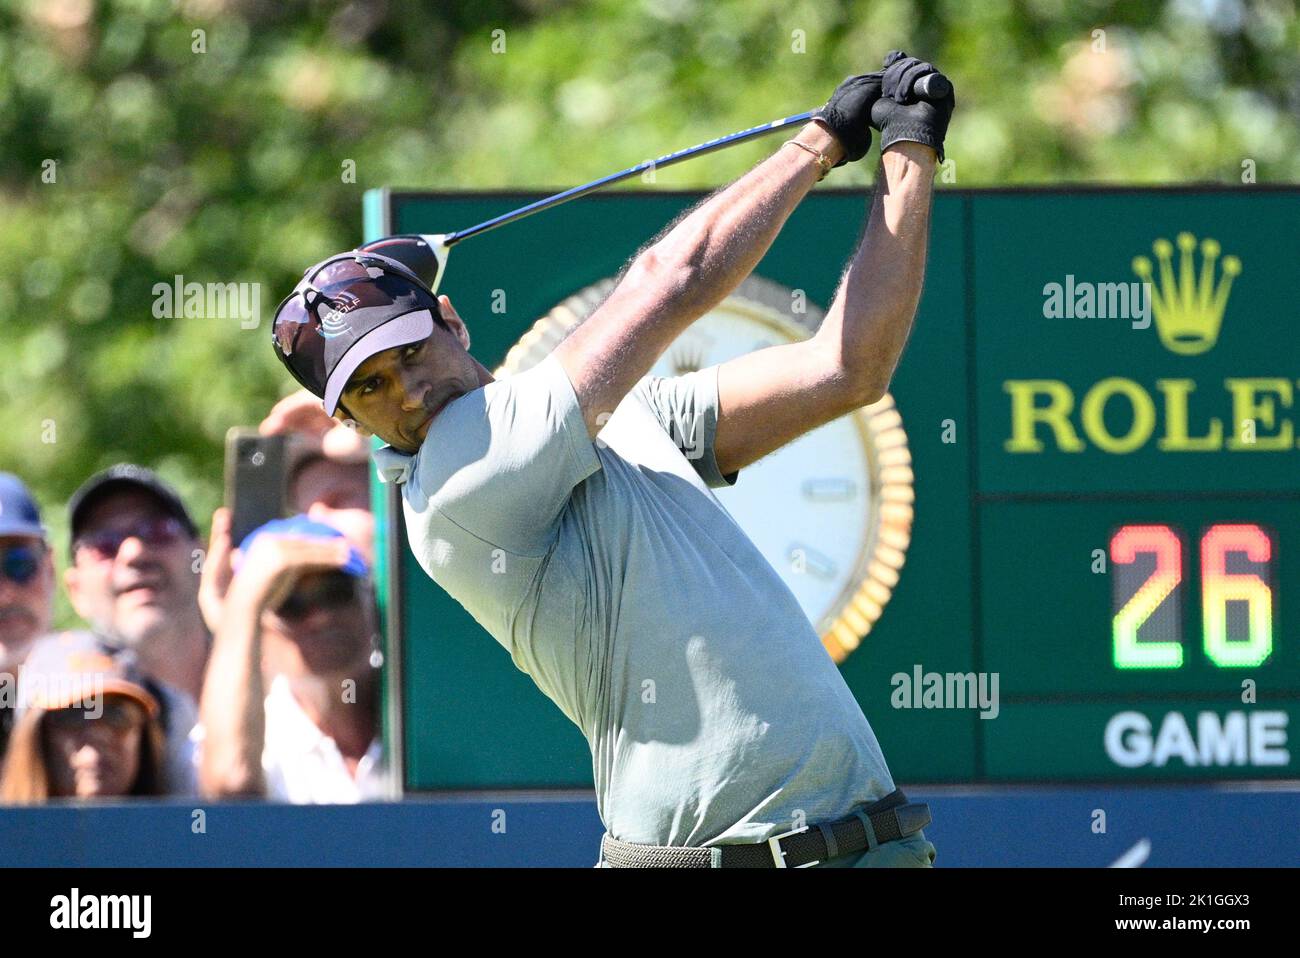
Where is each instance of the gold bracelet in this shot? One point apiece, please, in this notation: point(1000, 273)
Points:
point(823, 160)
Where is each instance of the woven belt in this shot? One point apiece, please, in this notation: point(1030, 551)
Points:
point(887, 820)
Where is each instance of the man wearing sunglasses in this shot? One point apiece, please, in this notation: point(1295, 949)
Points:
point(290, 703)
point(134, 579)
point(135, 572)
point(26, 585)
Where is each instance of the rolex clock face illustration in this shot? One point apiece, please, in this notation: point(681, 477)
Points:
point(831, 511)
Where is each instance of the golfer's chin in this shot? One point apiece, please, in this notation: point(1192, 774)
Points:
point(401, 439)
point(414, 439)
point(408, 439)
point(410, 443)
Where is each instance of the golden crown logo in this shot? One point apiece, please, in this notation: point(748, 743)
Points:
point(1188, 311)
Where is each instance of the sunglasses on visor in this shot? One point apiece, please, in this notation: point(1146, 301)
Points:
point(316, 310)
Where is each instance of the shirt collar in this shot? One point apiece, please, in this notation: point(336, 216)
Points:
point(392, 465)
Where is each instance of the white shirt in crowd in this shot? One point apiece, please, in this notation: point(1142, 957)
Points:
point(302, 764)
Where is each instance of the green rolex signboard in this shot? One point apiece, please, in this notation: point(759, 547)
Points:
point(1063, 548)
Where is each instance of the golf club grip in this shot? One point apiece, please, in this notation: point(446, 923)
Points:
point(934, 86)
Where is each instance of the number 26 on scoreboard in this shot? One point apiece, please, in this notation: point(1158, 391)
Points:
point(1236, 599)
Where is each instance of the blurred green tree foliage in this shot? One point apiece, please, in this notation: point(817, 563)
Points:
point(144, 139)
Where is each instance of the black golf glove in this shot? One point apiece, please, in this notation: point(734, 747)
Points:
point(900, 115)
point(848, 114)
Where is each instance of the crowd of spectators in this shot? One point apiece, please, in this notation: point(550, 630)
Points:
point(220, 669)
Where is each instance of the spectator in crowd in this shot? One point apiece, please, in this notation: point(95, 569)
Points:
point(298, 621)
point(134, 580)
point(135, 568)
point(26, 588)
point(328, 474)
point(89, 730)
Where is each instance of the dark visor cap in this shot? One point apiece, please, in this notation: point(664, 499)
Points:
point(345, 310)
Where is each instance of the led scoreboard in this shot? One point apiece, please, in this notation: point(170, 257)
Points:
point(1086, 562)
point(1156, 598)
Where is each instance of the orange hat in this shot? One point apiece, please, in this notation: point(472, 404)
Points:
point(72, 668)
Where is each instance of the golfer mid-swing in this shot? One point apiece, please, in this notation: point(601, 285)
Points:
point(608, 567)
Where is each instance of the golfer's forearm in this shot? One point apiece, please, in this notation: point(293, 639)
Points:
point(232, 710)
point(682, 276)
point(720, 242)
point(869, 320)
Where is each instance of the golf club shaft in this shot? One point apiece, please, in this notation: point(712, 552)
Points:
point(666, 160)
point(933, 87)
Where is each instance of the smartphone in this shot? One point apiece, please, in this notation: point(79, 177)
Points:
point(255, 487)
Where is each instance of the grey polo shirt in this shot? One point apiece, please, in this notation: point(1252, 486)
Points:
point(615, 579)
